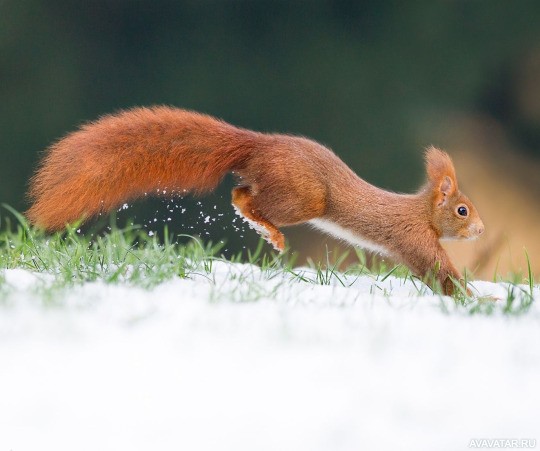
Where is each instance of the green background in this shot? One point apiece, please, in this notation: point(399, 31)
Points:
point(372, 80)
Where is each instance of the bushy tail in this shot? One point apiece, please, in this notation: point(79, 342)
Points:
point(141, 151)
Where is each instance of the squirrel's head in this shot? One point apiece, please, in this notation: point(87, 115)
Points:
point(453, 214)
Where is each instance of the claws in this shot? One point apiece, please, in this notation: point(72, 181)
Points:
point(276, 240)
point(242, 202)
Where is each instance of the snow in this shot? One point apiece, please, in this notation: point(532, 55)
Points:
point(238, 360)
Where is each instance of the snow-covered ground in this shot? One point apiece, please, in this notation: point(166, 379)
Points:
point(237, 360)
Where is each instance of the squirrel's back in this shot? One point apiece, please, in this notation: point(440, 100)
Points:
point(120, 157)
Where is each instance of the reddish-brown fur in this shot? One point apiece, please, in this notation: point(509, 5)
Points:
point(284, 180)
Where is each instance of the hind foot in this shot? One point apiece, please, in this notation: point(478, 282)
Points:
point(242, 201)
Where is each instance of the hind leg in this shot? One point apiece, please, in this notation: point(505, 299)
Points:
point(242, 201)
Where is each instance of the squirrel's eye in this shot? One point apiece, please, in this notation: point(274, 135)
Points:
point(462, 211)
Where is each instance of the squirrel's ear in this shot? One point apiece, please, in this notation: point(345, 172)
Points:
point(441, 173)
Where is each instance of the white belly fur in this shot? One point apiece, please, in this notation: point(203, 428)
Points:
point(346, 235)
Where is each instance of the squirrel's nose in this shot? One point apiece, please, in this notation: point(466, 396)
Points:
point(480, 229)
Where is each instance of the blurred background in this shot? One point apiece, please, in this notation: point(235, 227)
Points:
point(375, 81)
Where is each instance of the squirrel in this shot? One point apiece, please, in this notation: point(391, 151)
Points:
point(282, 180)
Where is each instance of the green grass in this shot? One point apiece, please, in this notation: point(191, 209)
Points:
point(131, 256)
point(120, 256)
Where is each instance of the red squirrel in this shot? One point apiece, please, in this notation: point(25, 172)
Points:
point(283, 180)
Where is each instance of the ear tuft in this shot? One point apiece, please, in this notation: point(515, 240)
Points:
point(439, 168)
